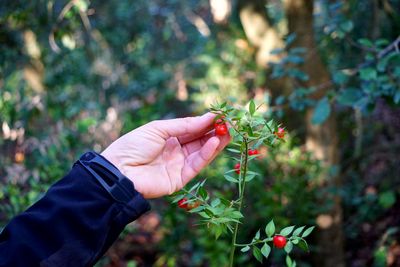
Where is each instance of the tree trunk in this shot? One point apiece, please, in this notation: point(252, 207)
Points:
point(321, 139)
point(258, 30)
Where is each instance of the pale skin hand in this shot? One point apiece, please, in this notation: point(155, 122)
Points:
point(162, 156)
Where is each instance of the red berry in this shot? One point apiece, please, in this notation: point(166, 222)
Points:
point(280, 133)
point(219, 121)
point(237, 168)
point(253, 152)
point(182, 204)
point(279, 241)
point(221, 129)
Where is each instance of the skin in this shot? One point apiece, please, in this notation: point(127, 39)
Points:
point(162, 156)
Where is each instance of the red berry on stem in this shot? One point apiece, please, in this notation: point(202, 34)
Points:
point(253, 152)
point(221, 129)
point(219, 121)
point(182, 204)
point(279, 241)
point(237, 168)
point(280, 133)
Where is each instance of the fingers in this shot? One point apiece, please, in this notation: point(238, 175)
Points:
point(187, 128)
point(196, 161)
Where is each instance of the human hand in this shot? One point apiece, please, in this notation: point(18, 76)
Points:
point(162, 156)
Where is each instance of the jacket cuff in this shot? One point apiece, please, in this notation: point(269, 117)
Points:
point(134, 205)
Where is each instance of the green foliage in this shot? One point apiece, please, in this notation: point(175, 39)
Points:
point(136, 62)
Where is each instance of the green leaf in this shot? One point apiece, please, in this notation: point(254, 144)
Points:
point(289, 261)
point(387, 199)
point(218, 230)
point(286, 231)
point(290, 39)
point(303, 245)
point(321, 111)
point(365, 42)
point(231, 179)
point(252, 107)
point(288, 248)
point(257, 253)
point(308, 231)
point(347, 26)
point(298, 231)
point(368, 74)
point(349, 97)
point(265, 250)
point(203, 193)
point(257, 236)
point(340, 78)
point(249, 177)
point(194, 187)
point(215, 202)
point(195, 210)
point(233, 150)
point(245, 249)
point(270, 228)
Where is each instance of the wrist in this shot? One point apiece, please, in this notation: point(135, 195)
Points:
point(122, 167)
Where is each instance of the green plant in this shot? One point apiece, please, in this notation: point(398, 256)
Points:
point(249, 131)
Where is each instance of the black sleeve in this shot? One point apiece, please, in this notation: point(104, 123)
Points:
point(72, 225)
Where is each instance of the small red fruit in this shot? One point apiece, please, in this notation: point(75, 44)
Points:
point(221, 129)
point(280, 133)
point(219, 121)
point(252, 152)
point(182, 204)
point(237, 168)
point(279, 241)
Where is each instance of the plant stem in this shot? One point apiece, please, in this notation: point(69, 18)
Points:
point(241, 195)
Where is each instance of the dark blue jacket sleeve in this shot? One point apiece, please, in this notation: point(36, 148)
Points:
point(72, 225)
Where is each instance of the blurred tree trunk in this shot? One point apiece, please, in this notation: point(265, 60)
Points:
point(321, 139)
point(258, 30)
point(221, 10)
point(264, 37)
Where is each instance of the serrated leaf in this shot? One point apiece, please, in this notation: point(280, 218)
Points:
point(257, 253)
point(288, 248)
point(266, 250)
point(321, 111)
point(270, 228)
point(245, 249)
point(298, 231)
point(286, 231)
point(308, 231)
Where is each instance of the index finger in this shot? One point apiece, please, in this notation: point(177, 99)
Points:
point(196, 126)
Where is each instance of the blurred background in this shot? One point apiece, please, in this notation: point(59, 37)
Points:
point(75, 75)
